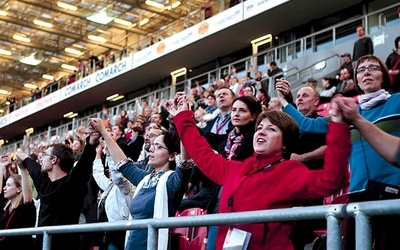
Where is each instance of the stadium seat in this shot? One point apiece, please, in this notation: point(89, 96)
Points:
point(190, 238)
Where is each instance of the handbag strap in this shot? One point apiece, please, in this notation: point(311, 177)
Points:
point(397, 63)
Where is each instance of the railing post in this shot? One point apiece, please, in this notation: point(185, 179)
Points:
point(334, 233)
point(363, 231)
point(152, 238)
point(46, 241)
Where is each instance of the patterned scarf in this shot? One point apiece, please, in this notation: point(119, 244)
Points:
point(368, 101)
point(232, 144)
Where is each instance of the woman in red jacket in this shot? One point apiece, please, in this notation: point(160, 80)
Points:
point(267, 180)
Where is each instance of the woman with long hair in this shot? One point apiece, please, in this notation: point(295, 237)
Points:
point(20, 210)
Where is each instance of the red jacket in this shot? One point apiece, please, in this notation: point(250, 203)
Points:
point(283, 185)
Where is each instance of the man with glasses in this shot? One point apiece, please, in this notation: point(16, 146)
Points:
point(61, 187)
point(149, 138)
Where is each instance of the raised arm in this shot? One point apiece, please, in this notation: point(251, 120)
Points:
point(213, 165)
point(26, 185)
point(98, 170)
point(377, 138)
point(115, 151)
point(306, 124)
point(5, 161)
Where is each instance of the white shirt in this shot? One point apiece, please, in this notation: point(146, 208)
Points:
point(120, 196)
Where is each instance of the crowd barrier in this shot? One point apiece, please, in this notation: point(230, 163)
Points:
point(361, 211)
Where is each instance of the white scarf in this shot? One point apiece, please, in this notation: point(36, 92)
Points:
point(368, 101)
point(160, 205)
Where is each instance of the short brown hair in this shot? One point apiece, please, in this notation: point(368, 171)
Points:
point(288, 126)
point(65, 154)
point(385, 72)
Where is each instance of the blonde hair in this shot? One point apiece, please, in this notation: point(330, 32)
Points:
point(18, 183)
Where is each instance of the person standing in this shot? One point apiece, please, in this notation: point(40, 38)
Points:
point(62, 187)
point(266, 180)
point(393, 64)
point(363, 46)
point(347, 64)
point(383, 109)
point(20, 210)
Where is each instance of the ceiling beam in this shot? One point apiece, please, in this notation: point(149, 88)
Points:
point(55, 31)
point(82, 15)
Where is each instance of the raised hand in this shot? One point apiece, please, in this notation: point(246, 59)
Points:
point(5, 160)
point(348, 108)
point(96, 125)
point(178, 104)
point(335, 112)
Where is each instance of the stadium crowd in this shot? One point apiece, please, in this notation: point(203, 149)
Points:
point(227, 148)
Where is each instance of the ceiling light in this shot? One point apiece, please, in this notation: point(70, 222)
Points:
point(3, 13)
point(31, 60)
point(22, 38)
point(5, 52)
point(144, 21)
point(42, 23)
point(48, 77)
point(123, 22)
point(73, 51)
point(30, 86)
point(67, 6)
point(178, 72)
point(111, 97)
point(100, 17)
point(97, 38)
point(68, 114)
point(29, 131)
point(4, 92)
point(70, 67)
point(117, 98)
point(154, 4)
point(176, 4)
point(262, 40)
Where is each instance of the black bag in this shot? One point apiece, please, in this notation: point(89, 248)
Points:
point(382, 191)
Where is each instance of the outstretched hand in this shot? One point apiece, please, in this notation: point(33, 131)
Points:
point(5, 160)
point(95, 129)
point(178, 104)
point(283, 88)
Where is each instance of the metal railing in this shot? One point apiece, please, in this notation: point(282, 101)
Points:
point(361, 211)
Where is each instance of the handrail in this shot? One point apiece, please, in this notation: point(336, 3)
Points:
point(332, 213)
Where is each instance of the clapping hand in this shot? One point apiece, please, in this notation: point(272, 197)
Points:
point(178, 104)
point(95, 129)
point(348, 108)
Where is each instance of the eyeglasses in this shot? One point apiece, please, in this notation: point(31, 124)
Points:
point(151, 135)
point(42, 155)
point(157, 146)
point(370, 68)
